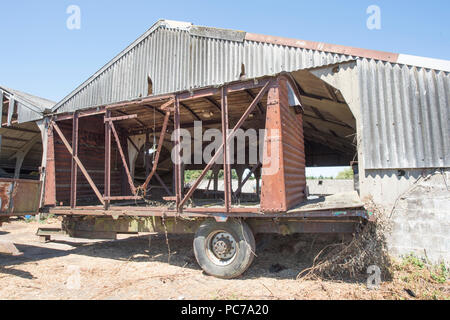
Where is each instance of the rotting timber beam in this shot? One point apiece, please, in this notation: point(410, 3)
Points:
point(79, 163)
point(244, 117)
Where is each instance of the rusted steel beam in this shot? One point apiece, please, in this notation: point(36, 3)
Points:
point(191, 111)
point(178, 180)
point(124, 160)
point(74, 170)
point(143, 125)
point(239, 190)
point(147, 106)
point(230, 137)
point(252, 95)
point(107, 189)
point(120, 198)
point(49, 186)
point(247, 85)
point(81, 114)
point(161, 182)
point(127, 117)
point(226, 153)
point(80, 164)
point(158, 151)
point(337, 216)
point(166, 106)
point(140, 102)
point(214, 103)
point(133, 144)
point(201, 93)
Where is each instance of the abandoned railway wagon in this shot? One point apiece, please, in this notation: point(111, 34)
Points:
point(91, 176)
point(165, 137)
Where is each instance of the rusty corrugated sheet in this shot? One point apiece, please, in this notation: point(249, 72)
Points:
point(19, 197)
point(285, 188)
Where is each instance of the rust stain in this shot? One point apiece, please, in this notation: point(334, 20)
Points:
point(5, 188)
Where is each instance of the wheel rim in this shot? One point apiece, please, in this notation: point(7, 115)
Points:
point(221, 248)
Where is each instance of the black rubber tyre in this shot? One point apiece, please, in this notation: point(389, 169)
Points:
point(242, 244)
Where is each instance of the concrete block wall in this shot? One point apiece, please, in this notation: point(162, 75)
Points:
point(421, 220)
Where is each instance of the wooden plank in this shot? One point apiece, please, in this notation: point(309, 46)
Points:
point(80, 164)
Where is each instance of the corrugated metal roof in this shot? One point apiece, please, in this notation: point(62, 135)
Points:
point(29, 107)
point(179, 56)
point(404, 100)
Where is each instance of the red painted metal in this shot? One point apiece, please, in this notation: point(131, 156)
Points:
point(50, 174)
point(231, 136)
point(177, 166)
point(107, 190)
point(74, 168)
point(158, 152)
point(82, 168)
point(127, 117)
point(19, 197)
point(226, 150)
point(285, 188)
point(122, 156)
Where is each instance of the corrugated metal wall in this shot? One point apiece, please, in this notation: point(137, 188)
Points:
point(175, 60)
point(405, 114)
point(404, 109)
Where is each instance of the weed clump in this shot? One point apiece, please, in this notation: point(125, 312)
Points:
point(352, 259)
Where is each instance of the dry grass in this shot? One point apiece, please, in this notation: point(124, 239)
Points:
point(351, 259)
point(134, 269)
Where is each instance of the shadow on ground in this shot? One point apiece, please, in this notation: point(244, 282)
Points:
point(277, 257)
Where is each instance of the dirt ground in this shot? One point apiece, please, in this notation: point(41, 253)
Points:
point(138, 268)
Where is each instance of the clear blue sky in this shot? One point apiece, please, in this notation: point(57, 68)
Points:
point(39, 55)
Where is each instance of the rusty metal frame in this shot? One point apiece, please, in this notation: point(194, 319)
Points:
point(249, 175)
point(166, 108)
point(122, 155)
point(226, 150)
point(158, 152)
point(78, 161)
point(74, 168)
point(228, 139)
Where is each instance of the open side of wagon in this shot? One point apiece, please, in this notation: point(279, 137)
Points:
point(122, 168)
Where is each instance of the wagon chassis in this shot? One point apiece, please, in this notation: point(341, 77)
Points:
point(284, 217)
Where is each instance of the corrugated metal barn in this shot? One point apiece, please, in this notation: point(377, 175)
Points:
point(21, 148)
point(387, 112)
